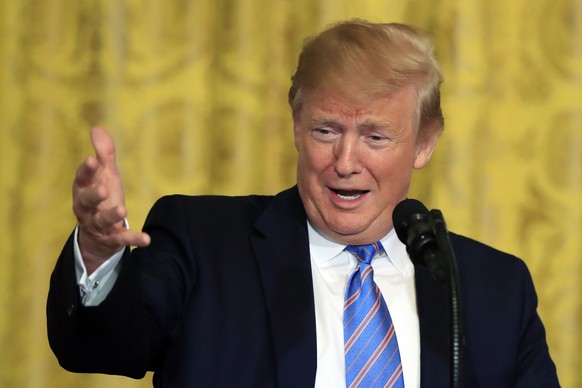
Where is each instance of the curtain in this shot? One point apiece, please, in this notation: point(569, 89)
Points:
point(194, 93)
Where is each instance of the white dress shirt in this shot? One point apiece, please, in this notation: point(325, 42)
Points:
point(393, 273)
point(331, 268)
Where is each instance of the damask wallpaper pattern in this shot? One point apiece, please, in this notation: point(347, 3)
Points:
point(194, 93)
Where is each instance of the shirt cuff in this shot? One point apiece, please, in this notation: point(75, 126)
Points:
point(95, 287)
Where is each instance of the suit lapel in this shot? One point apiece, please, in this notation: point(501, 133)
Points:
point(434, 319)
point(282, 249)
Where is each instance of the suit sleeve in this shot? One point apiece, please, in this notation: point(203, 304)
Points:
point(125, 334)
point(535, 367)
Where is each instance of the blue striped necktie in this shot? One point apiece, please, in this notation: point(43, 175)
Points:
point(371, 348)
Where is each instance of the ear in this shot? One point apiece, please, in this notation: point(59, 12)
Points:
point(425, 146)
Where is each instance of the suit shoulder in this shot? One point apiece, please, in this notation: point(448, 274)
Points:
point(206, 212)
point(479, 255)
point(214, 204)
point(490, 275)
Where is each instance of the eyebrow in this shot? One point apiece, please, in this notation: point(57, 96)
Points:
point(373, 124)
point(323, 120)
point(367, 123)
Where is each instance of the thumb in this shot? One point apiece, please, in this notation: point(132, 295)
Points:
point(103, 145)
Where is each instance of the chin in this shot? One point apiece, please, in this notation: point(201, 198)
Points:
point(356, 230)
point(346, 230)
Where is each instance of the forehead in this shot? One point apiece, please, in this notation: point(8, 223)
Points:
point(337, 104)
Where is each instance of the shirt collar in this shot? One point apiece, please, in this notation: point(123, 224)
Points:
point(324, 250)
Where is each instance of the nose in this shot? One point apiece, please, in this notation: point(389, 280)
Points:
point(348, 154)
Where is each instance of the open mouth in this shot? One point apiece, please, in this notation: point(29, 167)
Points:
point(349, 195)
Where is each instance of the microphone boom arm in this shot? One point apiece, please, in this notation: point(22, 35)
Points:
point(457, 337)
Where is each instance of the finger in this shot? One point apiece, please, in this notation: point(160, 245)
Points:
point(90, 197)
point(97, 249)
point(104, 146)
point(130, 238)
point(108, 219)
point(86, 171)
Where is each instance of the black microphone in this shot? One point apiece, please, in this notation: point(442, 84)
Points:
point(427, 243)
point(414, 228)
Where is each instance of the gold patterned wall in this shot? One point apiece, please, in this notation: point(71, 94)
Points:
point(194, 93)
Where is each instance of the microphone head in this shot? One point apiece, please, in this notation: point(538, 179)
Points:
point(413, 224)
point(406, 213)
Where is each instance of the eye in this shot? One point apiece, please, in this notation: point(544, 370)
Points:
point(377, 140)
point(324, 134)
point(323, 131)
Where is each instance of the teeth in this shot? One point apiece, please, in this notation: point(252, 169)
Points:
point(349, 197)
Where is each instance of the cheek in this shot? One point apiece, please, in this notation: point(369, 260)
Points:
point(313, 171)
point(306, 165)
point(392, 170)
point(313, 156)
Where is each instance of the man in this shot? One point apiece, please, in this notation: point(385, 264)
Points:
point(249, 291)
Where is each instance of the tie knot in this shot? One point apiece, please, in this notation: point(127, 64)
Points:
point(365, 253)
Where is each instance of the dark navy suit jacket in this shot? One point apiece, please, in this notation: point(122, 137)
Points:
point(223, 297)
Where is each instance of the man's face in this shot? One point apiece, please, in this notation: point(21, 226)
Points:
point(356, 160)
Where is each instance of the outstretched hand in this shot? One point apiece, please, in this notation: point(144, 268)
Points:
point(99, 205)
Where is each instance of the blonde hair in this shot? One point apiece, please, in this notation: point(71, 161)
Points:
point(372, 59)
